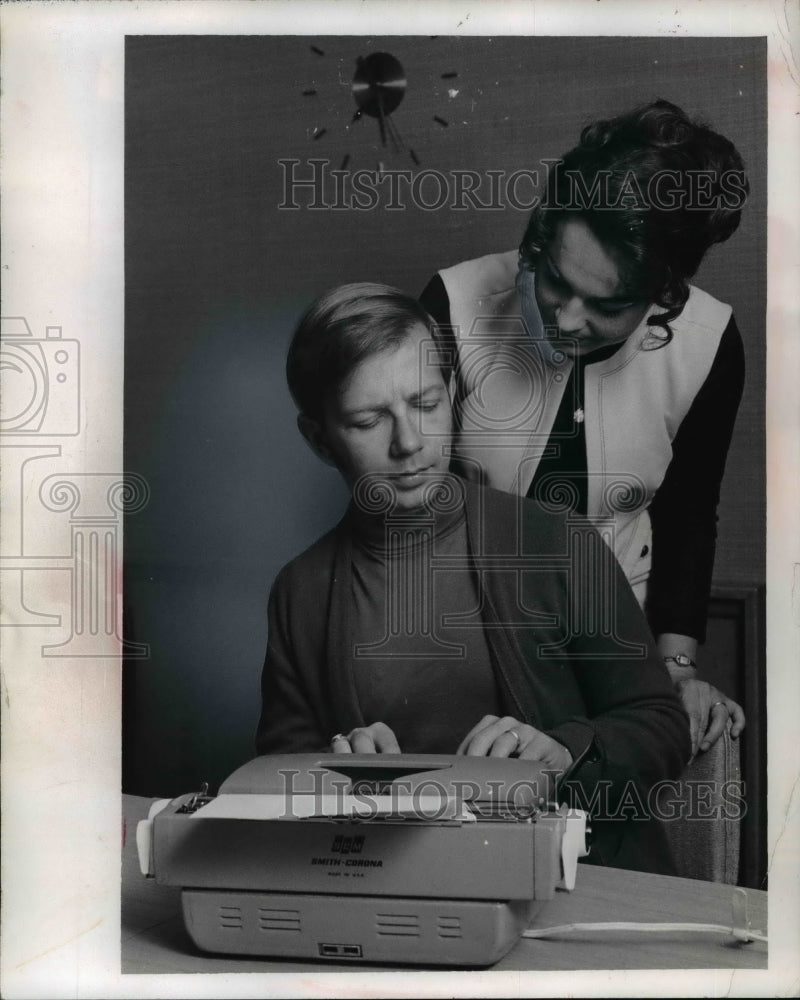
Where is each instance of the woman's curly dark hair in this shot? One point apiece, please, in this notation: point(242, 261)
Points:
point(657, 189)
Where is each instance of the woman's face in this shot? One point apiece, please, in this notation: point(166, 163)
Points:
point(580, 292)
point(392, 418)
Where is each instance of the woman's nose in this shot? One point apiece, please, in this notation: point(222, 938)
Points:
point(406, 438)
point(571, 316)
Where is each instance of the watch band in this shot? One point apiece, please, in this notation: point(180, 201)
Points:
point(682, 660)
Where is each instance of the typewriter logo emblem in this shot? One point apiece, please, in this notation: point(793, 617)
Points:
point(347, 845)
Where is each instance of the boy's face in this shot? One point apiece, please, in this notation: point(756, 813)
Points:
point(392, 420)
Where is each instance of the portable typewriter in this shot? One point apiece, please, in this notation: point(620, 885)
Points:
point(399, 859)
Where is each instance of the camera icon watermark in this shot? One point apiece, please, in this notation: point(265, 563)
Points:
point(58, 525)
point(506, 382)
point(41, 381)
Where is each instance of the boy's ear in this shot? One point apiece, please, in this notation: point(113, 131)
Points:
point(314, 434)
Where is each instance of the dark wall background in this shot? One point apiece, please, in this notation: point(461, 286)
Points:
point(217, 275)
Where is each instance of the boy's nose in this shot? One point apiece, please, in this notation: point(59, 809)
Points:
point(406, 438)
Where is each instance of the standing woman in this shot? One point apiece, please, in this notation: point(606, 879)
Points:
point(593, 376)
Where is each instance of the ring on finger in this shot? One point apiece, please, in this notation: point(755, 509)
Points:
point(515, 734)
point(720, 703)
point(339, 736)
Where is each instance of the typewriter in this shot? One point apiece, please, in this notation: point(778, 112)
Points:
point(393, 859)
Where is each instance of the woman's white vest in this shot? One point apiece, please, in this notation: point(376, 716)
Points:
point(633, 405)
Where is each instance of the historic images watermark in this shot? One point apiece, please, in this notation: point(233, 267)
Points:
point(315, 185)
point(430, 799)
point(41, 403)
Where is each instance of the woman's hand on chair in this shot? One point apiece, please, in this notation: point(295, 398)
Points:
point(708, 710)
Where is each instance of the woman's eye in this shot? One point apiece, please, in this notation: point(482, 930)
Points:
point(613, 310)
point(429, 407)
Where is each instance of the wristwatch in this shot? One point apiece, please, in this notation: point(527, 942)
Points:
point(682, 660)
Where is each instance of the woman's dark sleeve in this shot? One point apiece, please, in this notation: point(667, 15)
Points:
point(684, 509)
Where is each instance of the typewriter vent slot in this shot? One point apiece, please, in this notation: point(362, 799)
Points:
point(449, 927)
point(230, 918)
point(278, 920)
point(397, 924)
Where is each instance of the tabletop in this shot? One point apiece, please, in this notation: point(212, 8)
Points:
point(154, 939)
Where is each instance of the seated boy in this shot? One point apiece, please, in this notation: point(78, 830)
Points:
point(442, 617)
